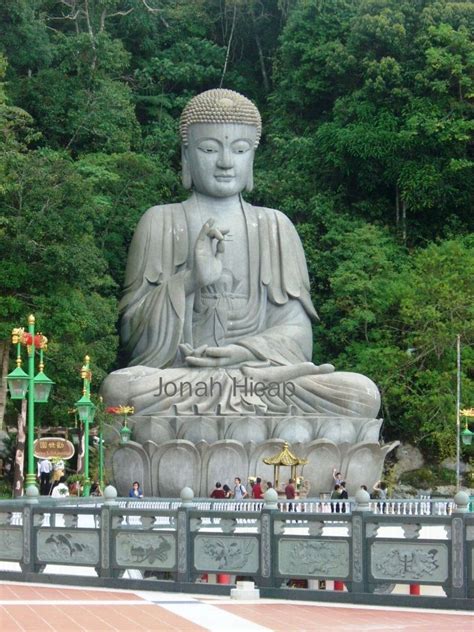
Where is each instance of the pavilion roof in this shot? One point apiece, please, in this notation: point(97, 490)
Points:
point(285, 457)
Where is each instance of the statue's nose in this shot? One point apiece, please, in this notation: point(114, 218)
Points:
point(225, 159)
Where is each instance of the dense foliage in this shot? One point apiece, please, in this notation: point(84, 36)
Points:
point(367, 108)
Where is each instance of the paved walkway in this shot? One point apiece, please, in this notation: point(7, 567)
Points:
point(44, 608)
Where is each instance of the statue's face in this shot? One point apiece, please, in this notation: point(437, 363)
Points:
point(220, 156)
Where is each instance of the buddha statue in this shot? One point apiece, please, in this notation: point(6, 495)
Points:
point(216, 312)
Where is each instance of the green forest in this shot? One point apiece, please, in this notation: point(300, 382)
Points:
point(367, 147)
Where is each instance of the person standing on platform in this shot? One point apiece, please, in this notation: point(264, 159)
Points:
point(336, 495)
point(257, 492)
point(290, 493)
point(135, 492)
point(343, 496)
point(380, 489)
point(61, 489)
point(44, 470)
point(239, 490)
point(218, 492)
point(58, 470)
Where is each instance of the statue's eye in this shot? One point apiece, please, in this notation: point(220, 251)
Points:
point(208, 148)
point(240, 147)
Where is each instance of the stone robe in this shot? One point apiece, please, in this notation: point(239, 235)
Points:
point(268, 311)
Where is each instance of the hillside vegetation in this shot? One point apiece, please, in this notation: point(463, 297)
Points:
point(367, 146)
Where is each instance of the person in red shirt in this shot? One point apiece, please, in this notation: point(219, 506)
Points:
point(290, 493)
point(257, 492)
point(218, 492)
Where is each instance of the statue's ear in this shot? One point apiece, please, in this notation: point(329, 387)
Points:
point(249, 183)
point(185, 171)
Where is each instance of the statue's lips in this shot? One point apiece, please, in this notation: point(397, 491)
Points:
point(224, 178)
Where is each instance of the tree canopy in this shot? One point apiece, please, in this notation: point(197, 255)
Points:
point(367, 146)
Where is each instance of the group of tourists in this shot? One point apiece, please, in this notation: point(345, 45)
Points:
point(239, 491)
point(50, 474)
point(257, 489)
point(379, 492)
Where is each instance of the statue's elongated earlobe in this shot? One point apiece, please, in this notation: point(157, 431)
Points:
point(185, 171)
point(249, 183)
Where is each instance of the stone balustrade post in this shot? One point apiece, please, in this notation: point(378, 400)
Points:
point(183, 535)
point(105, 567)
point(29, 545)
point(359, 545)
point(268, 551)
point(459, 582)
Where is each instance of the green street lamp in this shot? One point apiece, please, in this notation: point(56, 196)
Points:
point(42, 387)
point(86, 413)
point(25, 385)
point(125, 433)
point(85, 409)
point(466, 434)
point(18, 382)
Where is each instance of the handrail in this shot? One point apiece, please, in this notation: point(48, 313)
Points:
point(391, 506)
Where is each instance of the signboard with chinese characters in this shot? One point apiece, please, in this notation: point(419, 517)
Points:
point(51, 447)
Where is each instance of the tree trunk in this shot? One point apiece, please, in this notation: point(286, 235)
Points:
point(397, 206)
point(261, 58)
point(4, 357)
point(404, 221)
point(229, 44)
point(18, 473)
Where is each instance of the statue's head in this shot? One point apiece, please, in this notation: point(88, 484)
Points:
point(220, 130)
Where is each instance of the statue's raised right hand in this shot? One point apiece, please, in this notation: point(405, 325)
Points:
point(208, 265)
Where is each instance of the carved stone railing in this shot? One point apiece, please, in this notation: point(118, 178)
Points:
point(368, 545)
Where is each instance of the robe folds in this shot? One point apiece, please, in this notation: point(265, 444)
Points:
point(269, 312)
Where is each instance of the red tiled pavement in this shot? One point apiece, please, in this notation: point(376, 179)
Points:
point(302, 618)
point(40, 593)
point(72, 618)
point(93, 615)
point(60, 609)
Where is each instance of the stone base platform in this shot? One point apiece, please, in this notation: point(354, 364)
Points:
point(169, 453)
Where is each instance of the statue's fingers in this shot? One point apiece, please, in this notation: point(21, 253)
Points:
point(326, 368)
point(203, 233)
point(199, 351)
point(215, 233)
point(220, 247)
point(203, 361)
point(186, 349)
point(217, 352)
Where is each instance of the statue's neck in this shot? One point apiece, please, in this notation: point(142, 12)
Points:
point(219, 206)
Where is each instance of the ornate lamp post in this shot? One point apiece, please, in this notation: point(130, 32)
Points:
point(86, 412)
point(35, 388)
point(125, 432)
point(458, 409)
point(466, 434)
point(101, 450)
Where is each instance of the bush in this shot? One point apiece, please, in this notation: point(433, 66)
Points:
point(5, 489)
point(428, 477)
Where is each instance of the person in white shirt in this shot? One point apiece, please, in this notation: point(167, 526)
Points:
point(44, 470)
point(61, 489)
point(239, 490)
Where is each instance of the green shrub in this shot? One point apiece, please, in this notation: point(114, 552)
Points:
point(428, 477)
point(5, 489)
